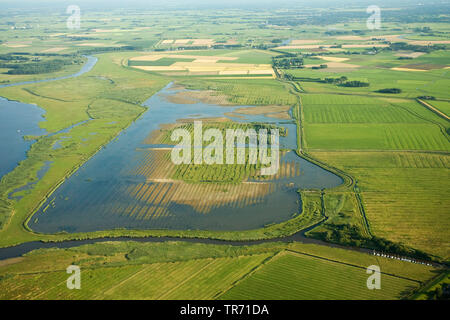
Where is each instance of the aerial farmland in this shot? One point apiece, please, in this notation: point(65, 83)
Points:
point(225, 151)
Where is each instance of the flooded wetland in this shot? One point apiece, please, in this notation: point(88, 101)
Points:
point(128, 183)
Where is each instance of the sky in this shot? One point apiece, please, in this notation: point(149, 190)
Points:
point(205, 4)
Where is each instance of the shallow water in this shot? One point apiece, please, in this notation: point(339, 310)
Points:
point(17, 120)
point(100, 196)
point(20, 119)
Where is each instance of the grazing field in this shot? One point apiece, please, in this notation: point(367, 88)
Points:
point(295, 276)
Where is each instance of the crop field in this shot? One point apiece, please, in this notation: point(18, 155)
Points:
point(376, 137)
point(406, 208)
point(126, 270)
point(377, 70)
point(443, 106)
point(292, 276)
point(164, 281)
point(199, 65)
point(352, 122)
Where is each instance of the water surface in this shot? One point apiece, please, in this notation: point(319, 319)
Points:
point(18, 120)
point(108, 193)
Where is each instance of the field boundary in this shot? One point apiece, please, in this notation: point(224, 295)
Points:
point(434, 109)
point(350, 264)
point(249, 274)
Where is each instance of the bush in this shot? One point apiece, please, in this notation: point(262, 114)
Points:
point(354, 84)
point(390, 90)
point(426, 97)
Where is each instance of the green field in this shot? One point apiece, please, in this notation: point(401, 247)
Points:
point(175, 270)
point(294, 276)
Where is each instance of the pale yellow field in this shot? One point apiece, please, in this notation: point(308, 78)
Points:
point(205, 65)
point(199, 42)
point(407, 69)
point(333, 59)
point(20, 44)
point(56, 49)
point(16, 45)
point(182, 41)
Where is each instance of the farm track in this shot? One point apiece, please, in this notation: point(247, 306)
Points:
point(433, 109)
point(349, 180)
point(348, 264)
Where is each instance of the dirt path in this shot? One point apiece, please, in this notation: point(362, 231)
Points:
point(438, 112)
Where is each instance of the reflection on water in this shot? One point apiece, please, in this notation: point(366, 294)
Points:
point(125, 185)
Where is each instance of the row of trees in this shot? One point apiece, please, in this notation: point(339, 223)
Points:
point(342, 81)
point(35, 67)
point(352, 235)
point(401, 46)
point(288, 62)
